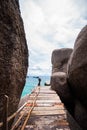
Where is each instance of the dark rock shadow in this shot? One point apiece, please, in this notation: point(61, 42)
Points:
point(72, 123)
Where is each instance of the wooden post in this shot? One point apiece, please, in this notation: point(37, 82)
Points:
point(5, 111)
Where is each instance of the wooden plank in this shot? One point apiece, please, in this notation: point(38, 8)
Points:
point(44, 92)
point(42, 109)
point(45, 98)
point(45, 101)
point(45, 95)
point(47, 87)
point(46, 104)
point(55, 112)
point(48, 96)
point(59, 107)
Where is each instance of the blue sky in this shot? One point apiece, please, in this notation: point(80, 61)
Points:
point(49, 25)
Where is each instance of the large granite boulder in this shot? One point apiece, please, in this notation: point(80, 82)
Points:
point(58, 80)
point(59, 59)
point(13, 55)
point(77, 68)
point(77, 78)
point(59, 84)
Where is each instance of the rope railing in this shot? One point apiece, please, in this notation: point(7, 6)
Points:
point(6, 119)
point(28, 116)
point(13, 115)
point(31, 108)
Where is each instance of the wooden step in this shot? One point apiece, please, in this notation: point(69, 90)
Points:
point(60, 107)
point(55, 112)
point(48, 111)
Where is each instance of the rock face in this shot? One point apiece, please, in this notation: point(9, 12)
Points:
point(58, 81)
point(70, 81)
point(13, 54)
point(77, 67)
point(77, 77)
point(59, 84)
point(59, 59)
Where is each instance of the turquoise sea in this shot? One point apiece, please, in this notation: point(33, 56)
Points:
point(32, 82)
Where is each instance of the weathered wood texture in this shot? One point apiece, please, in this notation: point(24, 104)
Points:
point(48, 113)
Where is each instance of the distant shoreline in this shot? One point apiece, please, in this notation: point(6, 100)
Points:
point(32, 82)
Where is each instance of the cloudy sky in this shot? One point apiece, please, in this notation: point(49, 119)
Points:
point(50, 24)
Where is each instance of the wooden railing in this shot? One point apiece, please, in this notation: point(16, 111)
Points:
point(6, 119)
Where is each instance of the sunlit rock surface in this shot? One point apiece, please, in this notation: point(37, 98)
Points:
point(59, 59)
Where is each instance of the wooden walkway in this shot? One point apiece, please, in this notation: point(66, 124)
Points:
point(48, 112)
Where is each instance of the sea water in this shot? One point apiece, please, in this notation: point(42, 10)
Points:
point(32, 82)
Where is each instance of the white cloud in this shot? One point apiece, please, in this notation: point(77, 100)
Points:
point(51, 24)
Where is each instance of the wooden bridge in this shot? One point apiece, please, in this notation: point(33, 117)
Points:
point(43, 111)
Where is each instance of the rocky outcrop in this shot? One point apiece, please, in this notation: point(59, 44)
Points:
point(59, 59)
point(72, 87)
point(13, 55)
point(77, 77)
point(77, 67)
point(59, 84)
point(58, 81)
